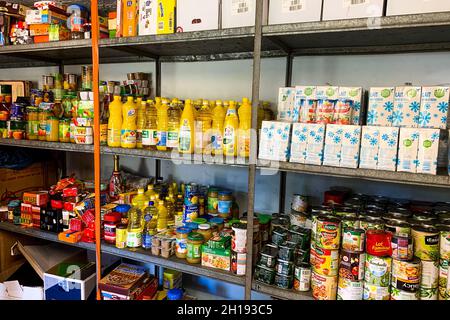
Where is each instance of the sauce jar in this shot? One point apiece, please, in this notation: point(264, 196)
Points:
point(33, 123)
point(4, 213)
point(219, 222)
point(194, 248)
point(64, 130)
point(121, 236)
point(110, 222)
point(213, 194)
point(181, 242)
point(199, 221)
point(123, 210)
point(43, 115)
point(52, 129)
point(205, 230)
point(225, 201)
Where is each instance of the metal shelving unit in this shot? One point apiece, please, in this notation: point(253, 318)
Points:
point(279, 293)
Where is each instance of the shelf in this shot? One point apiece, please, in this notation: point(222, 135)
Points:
point(280, 293)
point(442, 180)
point(137, 255)
point(56, 146)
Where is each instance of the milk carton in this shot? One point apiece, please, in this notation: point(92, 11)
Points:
point(305, 103)
point(434, 107)
point(388, 150)
point(274, 141)
point(408, 150)
point(351, 142)
point(370, 144)
point(333, 145)
point(286, 98)
point(381, 106)
point(406, 107)
point(147, 17)
point(327, 97)
point(300, 132)
point(315, 144)
point(428, 151)
point(348, 108)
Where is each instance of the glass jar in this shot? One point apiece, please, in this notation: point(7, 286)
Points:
point(110, 223)
point(64, 130)
point(219, 222)
point(14, 212)
point(121, 236)
point(33, 123)
point(225, 201)
point(86, 77)
point(205, 230)
point(52, 129)
point(67, 105)
point(181, 242)
point(194, 248)
point(199, 221)
point(4, 213)
point(213, 194)
point(43, 115)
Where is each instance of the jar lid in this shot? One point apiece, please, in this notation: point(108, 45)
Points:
point(14, 203)
point(183, 230)
point(3, 209)
point(194, 236)
point(239, 225)
point(216, 220)
point(175, 294)
point(200, 221)
point(225, 193)
point(112, 217)
point(123, 208)
point(264, 218)
point(204, 226)
point(52, 118)
point(213, 189)
point(191, 225)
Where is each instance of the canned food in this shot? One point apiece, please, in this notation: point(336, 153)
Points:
point(402, 247)
point(298, 218)
point(283, 281)
point(378, 270)
point(300, 236)
point(373, 292)
point(398, 227)
point(444, 232)
point(443, 294)
point(345, 212)
point(268, 256)
point(301, 256)
point(400, 213)
point(350, 222)
point(302, 277)
point(430, 274)
point(284, 267)
point(349, 290)
point(406, 275)
point(324, 261)
point(426, 243)
point(300, 203)
point(351, 265)
point(264, 274)
point(368, 223)
point(328, 233)
point(428, 293)
point(353, 239)
point(279, 235)
point(191, 194)
point(443, 272)
point(397, 294)
point(238, 263)
point(323, 287)
point(286, 251)
point(239, 239)
point(121, 236)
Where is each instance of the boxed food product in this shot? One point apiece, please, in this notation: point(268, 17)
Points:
point(351, 141)
point(286, 100)
point(349, 106)
point(13, 8)
point(428, 151)
point(275, 141)
point(299, 142)
point(197, 15)
point(147, 17)
point(315, 144)
point(293, 11)
point(165, 22)
point(327, 97)
point(434, 107)
point(305, 104)
point(333, 145)
point(400, 7)
point(112, 23)
point(37, 198)
point(241, 13)
point(129, 18)
point(370, 144)
point(351, 9)
point(388, 149)
point(172, 279)
point(408, 149)
point(381, 106)
point(406, 106)
point(216, 258)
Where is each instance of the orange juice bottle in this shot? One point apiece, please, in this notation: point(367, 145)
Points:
point(245, 125)
point(115, 122)
point(230, 129)
point(187, 129)
point(203, 122)
point(162, 124)
point(128, 133)
point(218, 118)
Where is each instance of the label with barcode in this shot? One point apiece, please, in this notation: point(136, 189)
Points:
point(241, 6)
point(288, 6)
point(348, 3)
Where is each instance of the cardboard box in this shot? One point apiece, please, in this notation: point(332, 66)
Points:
point(315, 144)
point(305, 104)
point(40, 16)
point(434, 107)
point(20, 88)
point(147, 17)
point(408, 150)
point(172, 279)
point(428, 151)
point(406, 107)
point(333, 145)
point(13, 8)
point(119, 18)
point(275, 141)
point(286, 102)
point(299, 143)
point(381, 106)
point(370, 144)
point(327, 97)
point(400, 7)
point(288, 11)
point(241, 13)
point(197, 15)
point(349, 107)
point(166, 16)
point(388, 149)
point(352, 9)
point(216, 258)
point(129, 18)
point(123, 280)
point(351, 142)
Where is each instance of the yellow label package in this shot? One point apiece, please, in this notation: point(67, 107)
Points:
point(130, 14)
point(166, 16)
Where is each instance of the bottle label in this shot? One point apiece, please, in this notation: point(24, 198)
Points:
point(134, 239)
point(172, 139)
point(161, 138)
point(224, 207)
point(128, 136)
point(185, 136)
point(194, 251)
point(244, 143)
point(146, 240)
point(212, 205)
point(181, 246)
point(229, 138)
point(139, 136)
point(149, 137)
point(217, 141)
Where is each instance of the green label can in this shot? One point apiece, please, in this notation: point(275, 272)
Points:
point(378, 270)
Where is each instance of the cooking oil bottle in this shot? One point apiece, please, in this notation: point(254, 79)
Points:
point(134, 232)
point(128, 132)
point(161, 224)
point(149, 225)
point(141, 200)
point(170, 207)
point(245, 125)
point(218, 118)
point(203, 124)
point(162, 122)
point(187, 129)
point(115, 122)
point(140, 121)
point(150, 192)
point(149, 132)
point(230, 129)
point(173, 125)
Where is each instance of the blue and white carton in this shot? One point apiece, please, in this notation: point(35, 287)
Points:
point(300, 132)
point(434, 107)
point(333, 145)
point(427, 158)
point(315, 143)
point(354, 95)
point(275, 141)
point(370, 144)
point(388, 150)
point(286, 97)
point(351, 142)
point(381, 106)
point(406, 107)
point(305, 104)
point(408, 150)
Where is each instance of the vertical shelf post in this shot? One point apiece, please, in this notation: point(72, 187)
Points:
point(253, 147)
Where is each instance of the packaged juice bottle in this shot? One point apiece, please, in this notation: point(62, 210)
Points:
point(162, 217)
point(173, 126)
point(115, 122)
point(203, 123)
point(128, 133)
point(218, 118)
point(149, 133)
point(140, 121)
point(162, 124)
point(186, 135)
point(230, 129)
point(245, 125)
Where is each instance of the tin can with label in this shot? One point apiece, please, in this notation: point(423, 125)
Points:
point(443, 272)
point(238, 263)
point(353, 239)
point(430, 274)
point(374, 292)
point(443, 294)
point(300, 203)
point(406, 275)
point(371, 224)
point(324, 261)
point(444, 232)
point(398, 227)
point(302, 277)
point(397, 294)
point(378, 270)
point(328, 232)
point(351, 265)
point(428, 293)
point(426, 243)
point(284, 267)
point(300, 236)
point(298, 218)
point(121, 236)
point(350, 222)
point(284, 281)
point(349, 290)
point(402, 247)
point(323, 287)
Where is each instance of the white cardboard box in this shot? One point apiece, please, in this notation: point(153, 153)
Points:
point(286, 99)
point(388, 150)
point(428, 151)
point(399, 7)
point(299, 142)
point(355, 95)
point(351, 9)
point(147, 17)
point(370, 144)
point(333, 145)
point(406, 106)
point(408, 148)
point(381, 106)
point(241, 13)
point(315, 144)
point(351, 142)
point(305, 103)
point(293, 11)
point(434, 107)
point(275, 141)
point(197, 15)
